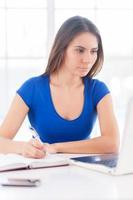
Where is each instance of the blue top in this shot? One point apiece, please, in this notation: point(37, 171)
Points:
point(43, 116)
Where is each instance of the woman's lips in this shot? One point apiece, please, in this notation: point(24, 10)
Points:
point(83, 68)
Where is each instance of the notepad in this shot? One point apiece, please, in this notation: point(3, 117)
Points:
point(16, 162)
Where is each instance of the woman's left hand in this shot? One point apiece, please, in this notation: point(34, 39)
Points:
point(49, 148)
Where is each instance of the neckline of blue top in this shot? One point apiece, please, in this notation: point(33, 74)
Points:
point(85, 80)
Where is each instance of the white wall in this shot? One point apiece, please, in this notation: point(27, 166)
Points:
point(27, 31)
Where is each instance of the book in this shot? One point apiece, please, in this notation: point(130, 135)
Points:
point(10, 162)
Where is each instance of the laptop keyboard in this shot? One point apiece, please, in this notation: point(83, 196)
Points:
point(109, 163)
point(107, 160)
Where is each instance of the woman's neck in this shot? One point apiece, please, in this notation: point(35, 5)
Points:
point(64, 79)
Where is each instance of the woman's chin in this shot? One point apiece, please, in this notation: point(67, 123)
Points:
point(83, 74)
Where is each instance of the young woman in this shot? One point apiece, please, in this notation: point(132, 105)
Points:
point(62, 104)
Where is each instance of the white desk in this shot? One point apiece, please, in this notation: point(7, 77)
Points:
point(71, 182)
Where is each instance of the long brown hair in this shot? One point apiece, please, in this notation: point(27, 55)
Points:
point(67, 32)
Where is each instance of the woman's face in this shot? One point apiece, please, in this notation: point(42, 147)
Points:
point(81, 54)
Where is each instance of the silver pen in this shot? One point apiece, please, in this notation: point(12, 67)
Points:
point(35, 134)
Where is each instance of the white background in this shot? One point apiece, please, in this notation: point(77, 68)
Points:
point(27, 29)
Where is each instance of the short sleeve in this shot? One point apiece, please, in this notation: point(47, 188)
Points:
point(26, 91)
point(100, 90)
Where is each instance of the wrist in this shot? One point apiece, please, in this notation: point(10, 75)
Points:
point(53, 148)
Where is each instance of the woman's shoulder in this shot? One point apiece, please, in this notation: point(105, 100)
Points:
point(96, 83)
point(36, 81)
point(98, 89)
point(31, 87)
point(99, 84)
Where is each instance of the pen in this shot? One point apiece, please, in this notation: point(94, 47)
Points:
point(35, 135)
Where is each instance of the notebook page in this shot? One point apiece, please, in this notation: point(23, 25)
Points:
point(15, 159)
point(49, 161)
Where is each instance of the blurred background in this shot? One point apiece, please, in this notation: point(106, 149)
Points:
point(27, 30)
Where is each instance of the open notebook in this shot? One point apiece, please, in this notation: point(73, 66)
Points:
point(15, 162)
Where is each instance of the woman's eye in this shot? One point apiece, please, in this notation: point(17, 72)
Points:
point(80, 50)
point(94, 51)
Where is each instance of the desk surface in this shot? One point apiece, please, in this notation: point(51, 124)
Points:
point(69, 182)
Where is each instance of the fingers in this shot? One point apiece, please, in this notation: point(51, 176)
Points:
point(37, 144)
point(33, 149)
point(35, 153)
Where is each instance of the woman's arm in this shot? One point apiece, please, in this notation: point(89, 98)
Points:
point(108, 142)
point(9, 128)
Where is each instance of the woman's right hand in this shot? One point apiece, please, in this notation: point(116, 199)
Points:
point(33, 149)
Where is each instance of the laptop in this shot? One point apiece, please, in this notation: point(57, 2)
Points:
point(112, 163)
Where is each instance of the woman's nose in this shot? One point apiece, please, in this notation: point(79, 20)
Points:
point(87, 57)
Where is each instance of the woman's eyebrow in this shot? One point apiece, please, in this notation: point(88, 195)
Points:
point(95, 48)
point(81, 47)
